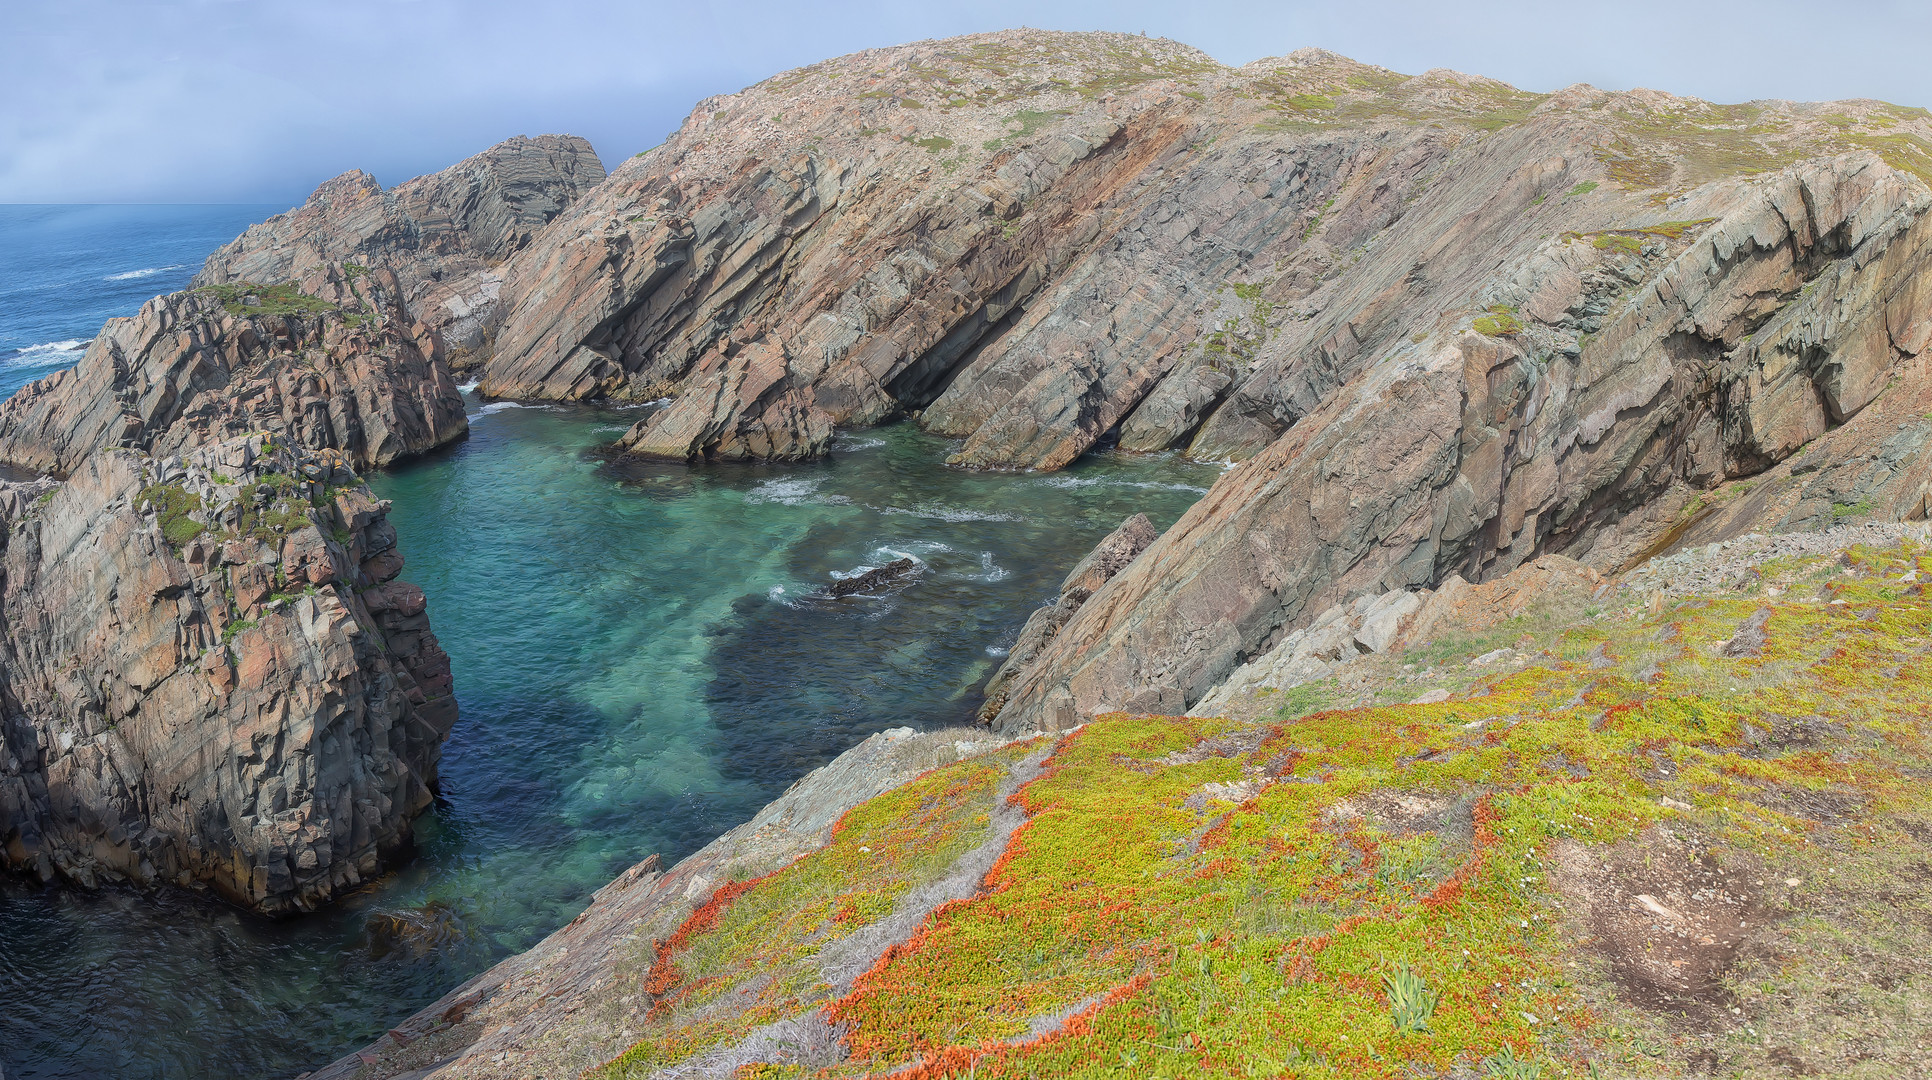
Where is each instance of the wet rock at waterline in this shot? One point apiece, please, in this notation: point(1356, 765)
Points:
point(211, 678)
point(879, 579)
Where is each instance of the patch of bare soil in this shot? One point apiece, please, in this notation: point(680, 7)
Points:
point(1668, 920)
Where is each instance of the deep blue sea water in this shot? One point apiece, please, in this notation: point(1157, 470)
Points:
point(638, 663)
point(64, 270)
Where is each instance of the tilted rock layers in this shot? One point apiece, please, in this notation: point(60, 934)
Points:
point(210, 677)
point(1800, 301)
point(1038, 241)
point(443, 235)
point(347, 370)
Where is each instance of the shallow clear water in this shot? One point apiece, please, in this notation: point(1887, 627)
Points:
point(64, 270)
point(640, 666)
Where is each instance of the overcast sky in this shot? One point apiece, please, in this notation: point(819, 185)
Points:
point(259, 100)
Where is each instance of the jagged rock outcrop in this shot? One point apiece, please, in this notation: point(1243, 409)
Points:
point(211, 678)
point(441, 235)
point(330, 362)
point(1107, 558)
point(1037, 239)
point(1471, 453)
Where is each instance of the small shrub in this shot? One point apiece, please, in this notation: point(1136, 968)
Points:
point(1498, 324)
point(235, 629)
point(1584, 188)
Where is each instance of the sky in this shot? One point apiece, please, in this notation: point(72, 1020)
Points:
point(260, 100)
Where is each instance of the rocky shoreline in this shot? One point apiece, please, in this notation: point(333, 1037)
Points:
point(1460, 345)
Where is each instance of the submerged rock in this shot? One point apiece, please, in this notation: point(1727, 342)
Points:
point(412, 933)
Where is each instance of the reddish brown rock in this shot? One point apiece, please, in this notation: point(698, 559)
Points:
point(345, 371)
point(196, 692)
point(442, 235)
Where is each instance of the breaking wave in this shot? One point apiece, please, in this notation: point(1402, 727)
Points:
point(145, 272)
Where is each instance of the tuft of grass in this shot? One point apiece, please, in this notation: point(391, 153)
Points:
point(172, 506)
point(1411, 1002)
point(1584, 188)
point(1505, 1065)
point(1498, 323)
point(248, 299)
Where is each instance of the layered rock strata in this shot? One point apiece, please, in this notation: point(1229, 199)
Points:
point(211, 676)
point(1107, 558)
point(1036, 241)
point(443, 235)
point(1720, 352)
point(331, 361)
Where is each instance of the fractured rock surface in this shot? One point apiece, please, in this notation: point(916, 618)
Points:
point(443, 235)
point(346, 371)
point(1471, 453)
point(211, 677)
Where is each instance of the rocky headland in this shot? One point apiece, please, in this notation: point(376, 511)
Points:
point(1480, 360)
point(444, 236)
point(1497, 615)
point(212, 678)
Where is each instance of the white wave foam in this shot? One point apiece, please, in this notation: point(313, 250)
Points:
point(917, 551)
point(997, 652)
point(146, 272)
point(499, 406)
point(643, 404)
point(848, 446)
point(469, 387)
point(610, 427)
point(793, 491)
point(50, 352)
point(949, 513)
point(1108, 481)
point(989, 571)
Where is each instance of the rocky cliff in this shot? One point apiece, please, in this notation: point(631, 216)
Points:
point(328, 361)
point(1036, 241)
point(210, 677)
point(1791, 305)
point(443, 236)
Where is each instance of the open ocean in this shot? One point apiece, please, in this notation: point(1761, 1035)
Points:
point(64, 270)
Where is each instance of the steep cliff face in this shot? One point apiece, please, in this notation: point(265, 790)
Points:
point(328, 361)
point(442, 235)
point(1041, 240)
point(211, 678)
point(1470, 451)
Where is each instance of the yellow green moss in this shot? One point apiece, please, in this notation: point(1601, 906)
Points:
point(1198, 897)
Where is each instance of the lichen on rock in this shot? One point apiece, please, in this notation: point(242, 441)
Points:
point(212, 679)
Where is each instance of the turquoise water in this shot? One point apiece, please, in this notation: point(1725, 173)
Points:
point(640, 665)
